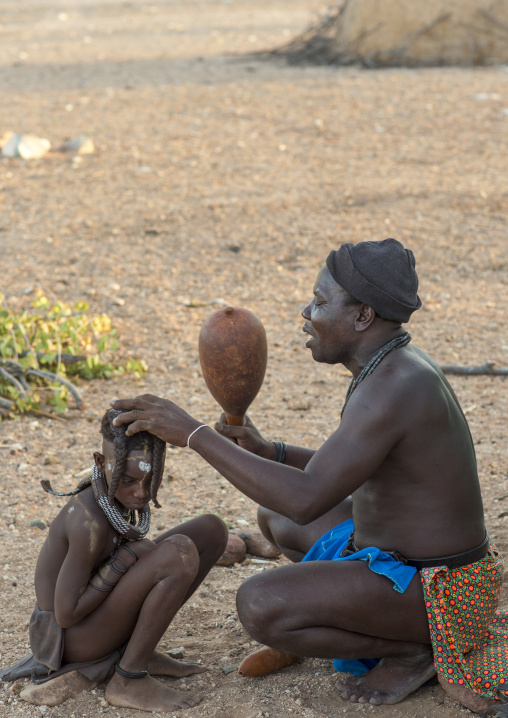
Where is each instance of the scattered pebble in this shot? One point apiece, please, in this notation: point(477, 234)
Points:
point(80, 145)
point(176, 652)
point(28, 147)
point(38, 523)
point(488, 96)
point(12, 447)
point(299, 405)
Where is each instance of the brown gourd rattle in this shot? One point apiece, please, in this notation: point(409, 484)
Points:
point(233, 353)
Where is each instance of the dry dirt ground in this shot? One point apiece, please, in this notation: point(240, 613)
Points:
point(218, 177)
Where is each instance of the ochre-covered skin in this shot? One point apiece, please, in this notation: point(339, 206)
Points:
point(266, 660)
point(232, 351)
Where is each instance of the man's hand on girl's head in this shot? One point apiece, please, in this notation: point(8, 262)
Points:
point(156, 415)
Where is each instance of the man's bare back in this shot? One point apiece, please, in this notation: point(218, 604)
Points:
point(410, 501)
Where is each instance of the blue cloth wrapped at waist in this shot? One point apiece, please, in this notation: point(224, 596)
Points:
point(330, 546)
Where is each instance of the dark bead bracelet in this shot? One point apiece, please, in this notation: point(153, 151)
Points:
point(280, 451)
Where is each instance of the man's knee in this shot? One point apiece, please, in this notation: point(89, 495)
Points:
point(265, 523)
point(258, 608)
point(283, 533)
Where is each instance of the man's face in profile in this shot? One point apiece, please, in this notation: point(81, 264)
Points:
point(329, 321)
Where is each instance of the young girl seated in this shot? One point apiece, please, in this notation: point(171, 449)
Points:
point(105, 593)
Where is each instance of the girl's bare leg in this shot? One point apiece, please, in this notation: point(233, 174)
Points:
point(209, 534)
point(139, 610)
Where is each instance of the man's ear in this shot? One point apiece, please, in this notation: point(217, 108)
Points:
point(364, 317)
point(100, 461)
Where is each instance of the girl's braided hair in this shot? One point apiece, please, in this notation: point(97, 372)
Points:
point(124, 444)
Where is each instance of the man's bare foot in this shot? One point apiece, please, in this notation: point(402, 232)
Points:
point(466, 697)
point(147, 694)
point(390, 681)
point(57, 690)
point(162, 665)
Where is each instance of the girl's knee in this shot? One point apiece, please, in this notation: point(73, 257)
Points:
point(177, 554)
point(216, 531)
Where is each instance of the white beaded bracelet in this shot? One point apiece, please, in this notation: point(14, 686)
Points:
point(201, 426)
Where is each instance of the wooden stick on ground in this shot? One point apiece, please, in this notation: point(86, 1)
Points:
point(488, 368)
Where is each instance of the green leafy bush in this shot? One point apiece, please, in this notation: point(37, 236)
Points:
point(42, 347)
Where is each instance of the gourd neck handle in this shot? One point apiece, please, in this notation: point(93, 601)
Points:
point(234, 420)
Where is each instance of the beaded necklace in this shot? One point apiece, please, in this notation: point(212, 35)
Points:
point(124, 524)
point(367, 370)
point(128, 530)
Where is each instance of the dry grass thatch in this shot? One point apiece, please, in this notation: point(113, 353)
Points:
point(405, 33)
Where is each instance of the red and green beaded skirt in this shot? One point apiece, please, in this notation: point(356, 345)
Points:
point(469, 636)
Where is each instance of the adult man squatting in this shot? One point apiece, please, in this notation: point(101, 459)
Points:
point(401, 466)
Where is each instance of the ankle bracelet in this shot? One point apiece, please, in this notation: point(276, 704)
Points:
point(127, 674)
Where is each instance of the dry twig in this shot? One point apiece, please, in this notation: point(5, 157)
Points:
point(16, 374)
point(488, 368)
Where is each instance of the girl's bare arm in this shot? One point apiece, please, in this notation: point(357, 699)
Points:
point(80, 588)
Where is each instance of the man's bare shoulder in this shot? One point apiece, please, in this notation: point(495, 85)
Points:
point(424, 382)
point(410, 371)
point(408, 383)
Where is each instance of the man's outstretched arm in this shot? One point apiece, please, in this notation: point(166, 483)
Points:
point(345, 461)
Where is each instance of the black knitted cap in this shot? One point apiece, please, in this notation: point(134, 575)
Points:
point(381, 274)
